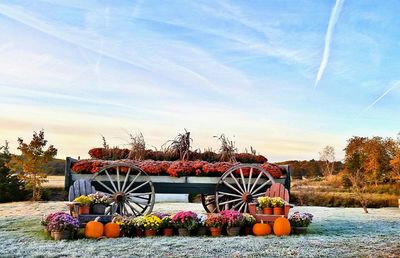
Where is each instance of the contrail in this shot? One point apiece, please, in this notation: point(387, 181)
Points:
point(396, 84)
point(328, 38)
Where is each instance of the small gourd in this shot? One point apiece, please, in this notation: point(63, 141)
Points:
point(261, 229)
point(94, 229)
point(282, 227)
point(112, 229)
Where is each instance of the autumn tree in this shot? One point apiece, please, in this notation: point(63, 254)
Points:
point(327, 156)
point(31, 164)
point(355, 163)
point(377, 151)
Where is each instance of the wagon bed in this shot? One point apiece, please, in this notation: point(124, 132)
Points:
point(232, 190)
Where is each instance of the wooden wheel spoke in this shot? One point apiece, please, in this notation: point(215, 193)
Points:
point(126, 179)
point(241, 206)
point(103, 185)
point(229, 194)
point(233, 188)
point(111, 181)
point(243, 181)
point(236, 205)
point(255, 182)
point(136, 202)
point(209, 202)
point(261, 186)
point(237, 183)
point(245, 208)
point(250, 175)
point(135, 211)
point(137, 187)
point(118, 182)
point(138, 194)
point(133, 181)
point(230, 201)
point(258, 195)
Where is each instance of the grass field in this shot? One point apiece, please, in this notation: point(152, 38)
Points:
point(336, 232)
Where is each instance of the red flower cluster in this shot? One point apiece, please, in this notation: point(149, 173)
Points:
point(274, 170)
point(175, 168)
point(113, 153)
point(250, 158)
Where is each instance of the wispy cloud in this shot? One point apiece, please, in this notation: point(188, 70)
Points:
point(394, 85)
point(328, 39)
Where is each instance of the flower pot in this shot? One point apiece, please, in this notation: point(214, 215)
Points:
point(183, 232)
point(233, 231)
point(278, 211)
point(168, 231)
point(202, 231)
point(252, 208)
point(267, 211)
point(84, 209)
point(150, 232)
point(99, 209)
point(299, 230)
point(61, 235)
point(215, 232)
point(139, 232)
point(248, 231)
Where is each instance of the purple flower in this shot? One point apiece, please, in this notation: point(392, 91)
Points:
point(63, 221)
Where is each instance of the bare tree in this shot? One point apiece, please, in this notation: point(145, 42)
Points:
point(327, 155)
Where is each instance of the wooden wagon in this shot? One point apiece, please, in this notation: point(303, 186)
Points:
point(132, 190)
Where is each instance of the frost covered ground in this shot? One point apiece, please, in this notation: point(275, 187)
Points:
point(336, 232)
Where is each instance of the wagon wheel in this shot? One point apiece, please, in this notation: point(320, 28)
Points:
point(241, 185)
point(131, 192)
point(208, 202)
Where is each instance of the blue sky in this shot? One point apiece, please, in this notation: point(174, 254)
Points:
point(286, 77)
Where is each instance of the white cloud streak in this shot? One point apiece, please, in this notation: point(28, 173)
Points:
point(328, 39)
point(395, 85)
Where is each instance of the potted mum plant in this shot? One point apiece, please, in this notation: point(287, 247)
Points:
point(62, 226)
point(139, 222)
point(265, 204)
point(185, 221)
point(248, 223)
point(126, 225)
point(215, 222)
point(299, 221)
point(167, 226)
point(84, 204)
point(99, 203)
point(278, 204)
point(201, 220)
point(45, 221)
point(233, 220)
point(151, 225)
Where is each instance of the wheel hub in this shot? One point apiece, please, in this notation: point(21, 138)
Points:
point(119, 197)
point(247, 197)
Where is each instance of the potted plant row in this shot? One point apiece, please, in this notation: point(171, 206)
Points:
point(186, 223)
point(95, 203)
point(271, 205)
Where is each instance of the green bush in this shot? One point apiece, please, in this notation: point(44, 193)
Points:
point(11, 188)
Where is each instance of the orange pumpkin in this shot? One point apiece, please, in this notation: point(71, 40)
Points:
point(112, 229)
point(261, 229)
point(282, 227)
point(94, 229)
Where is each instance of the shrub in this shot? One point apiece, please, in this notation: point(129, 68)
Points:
point(11, 188)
